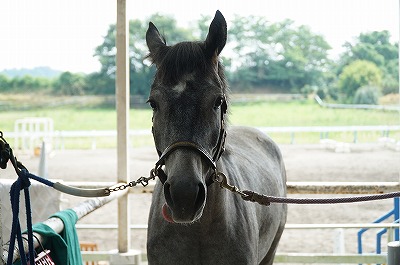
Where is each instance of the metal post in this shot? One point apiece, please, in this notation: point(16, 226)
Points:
point(393, 257)
point(43, 172)
point(122, 102)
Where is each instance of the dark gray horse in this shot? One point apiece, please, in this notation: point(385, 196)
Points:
point(192, 220)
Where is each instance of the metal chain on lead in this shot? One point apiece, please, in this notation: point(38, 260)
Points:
point(265, 200)
point(142, 180)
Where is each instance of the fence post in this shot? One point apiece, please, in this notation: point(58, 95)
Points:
point(339, 247)
point(292, 138)
point(355, 139)
point(393, 257)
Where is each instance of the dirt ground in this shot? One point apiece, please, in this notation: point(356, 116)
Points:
point(365, 162)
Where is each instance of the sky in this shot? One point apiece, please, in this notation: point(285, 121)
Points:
point(63, 34)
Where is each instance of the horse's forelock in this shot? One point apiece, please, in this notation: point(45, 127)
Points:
point(182, 59)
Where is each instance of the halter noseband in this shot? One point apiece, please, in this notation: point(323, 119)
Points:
point(211, 159)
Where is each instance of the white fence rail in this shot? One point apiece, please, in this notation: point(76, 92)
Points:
point(58, 137)
point(356, 106)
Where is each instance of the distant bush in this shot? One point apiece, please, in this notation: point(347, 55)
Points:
point(390, 85)
point(359, 74)
point(367, 95)
point(24, 83)
point(390, 99)
point(70, 84)
point(4, 83)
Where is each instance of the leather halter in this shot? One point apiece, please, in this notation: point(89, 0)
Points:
point(211, 159)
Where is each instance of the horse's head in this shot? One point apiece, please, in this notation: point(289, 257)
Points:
point(188, 98)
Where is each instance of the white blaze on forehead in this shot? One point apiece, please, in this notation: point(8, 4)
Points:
point(181, 86)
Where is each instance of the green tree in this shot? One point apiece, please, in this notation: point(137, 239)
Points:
point(4, 83)
point(70, 84)
point(200, 30)
point(25, 83)
point(277, 54)
point(140, 72)
point(358, 74)
point(375, 47)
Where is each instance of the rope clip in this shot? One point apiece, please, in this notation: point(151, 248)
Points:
point(221, 178)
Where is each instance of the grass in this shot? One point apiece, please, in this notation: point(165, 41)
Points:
point(297, 113)
point(262, 114)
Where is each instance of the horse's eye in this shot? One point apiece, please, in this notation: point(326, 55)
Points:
point(218, 102)
point(152, 104)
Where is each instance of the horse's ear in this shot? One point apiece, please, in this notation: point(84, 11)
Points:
point(156, 43)
point(217, 34)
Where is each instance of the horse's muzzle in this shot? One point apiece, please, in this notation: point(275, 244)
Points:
point(185, 201)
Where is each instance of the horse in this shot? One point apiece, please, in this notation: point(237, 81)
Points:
point(192, 220)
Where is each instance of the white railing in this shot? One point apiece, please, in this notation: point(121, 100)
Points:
point(356, 106)
point(281, 257)
point(59, 137)
point(25, 130)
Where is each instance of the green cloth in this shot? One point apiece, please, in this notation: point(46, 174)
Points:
point(64, 247)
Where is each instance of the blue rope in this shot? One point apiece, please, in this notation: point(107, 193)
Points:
point(40, 179)
point(29, 222)
point(22, 183)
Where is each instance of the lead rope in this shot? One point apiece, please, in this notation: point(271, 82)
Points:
point(22, 183)
point(265, 200)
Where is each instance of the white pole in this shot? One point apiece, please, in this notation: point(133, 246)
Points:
point(122, 98)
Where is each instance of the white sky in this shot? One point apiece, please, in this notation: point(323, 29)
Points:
point(62, 34)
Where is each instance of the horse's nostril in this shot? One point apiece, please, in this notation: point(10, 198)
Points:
point(184, 199)
point(201, 196)
point(167, 194)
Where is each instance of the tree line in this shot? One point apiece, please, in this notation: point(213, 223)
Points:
point(260, 56)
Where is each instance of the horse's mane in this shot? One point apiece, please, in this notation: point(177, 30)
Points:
point(185, 58)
